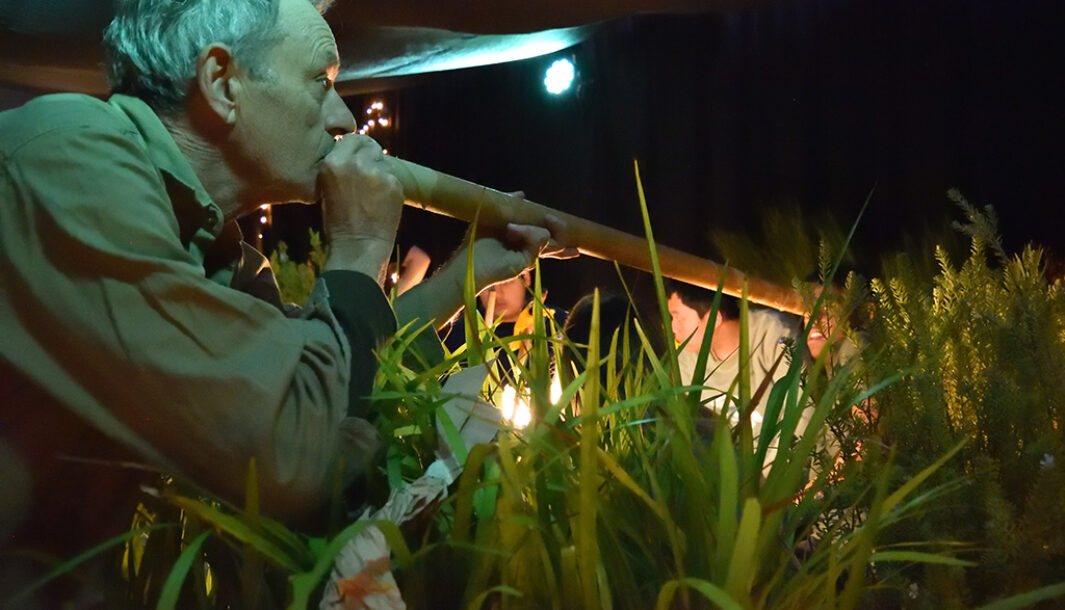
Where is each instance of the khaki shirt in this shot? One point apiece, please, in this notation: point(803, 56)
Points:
point(127, 301)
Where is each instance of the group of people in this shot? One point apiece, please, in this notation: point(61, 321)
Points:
point(137, 326)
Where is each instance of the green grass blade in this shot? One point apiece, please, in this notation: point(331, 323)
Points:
point(919, 478)
point(304, 583)
point(920, 557)
point(168, 598)
point(1027, 599)
point(240, 530)
point(73, 562)
point(587, 551)
point(742, 567)
point(706, 589)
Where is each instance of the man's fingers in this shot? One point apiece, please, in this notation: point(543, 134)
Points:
point(556, 251)
point(527, 237)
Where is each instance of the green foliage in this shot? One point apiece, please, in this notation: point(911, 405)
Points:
point(924, 474)
point(296, 278)
point(983, 350)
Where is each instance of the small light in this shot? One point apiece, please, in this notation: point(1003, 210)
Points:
point(559, 76)
point(395, 277)
point(384, 151)
point(377, 105)
point(369, 111)
point(262, 220)
point(265, 206)
point(371, 122)
point(260, 236)
point(515, 409)
point(383, 122)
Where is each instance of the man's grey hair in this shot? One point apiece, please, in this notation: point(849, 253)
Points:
point(151, 45)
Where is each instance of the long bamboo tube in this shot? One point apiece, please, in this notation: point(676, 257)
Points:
point(441, 193)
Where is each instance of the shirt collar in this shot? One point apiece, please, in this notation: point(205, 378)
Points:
point(163, 150)
point(210, 239)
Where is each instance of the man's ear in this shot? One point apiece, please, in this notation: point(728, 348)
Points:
point(218, 81)
point(717, 320)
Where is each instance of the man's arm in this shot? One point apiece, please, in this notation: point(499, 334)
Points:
point(494, 260)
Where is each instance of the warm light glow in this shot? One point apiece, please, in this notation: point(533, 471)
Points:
point(265, 206)
point(556, 389)
point(559, 76)
point(371, 123)
point(395, 277)
point(384, 151)
point(369, 111)
point(514, 408)
point(383, 122)
point(377, 105)
point(262, 220)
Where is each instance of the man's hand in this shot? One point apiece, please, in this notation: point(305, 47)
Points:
point(361, 205)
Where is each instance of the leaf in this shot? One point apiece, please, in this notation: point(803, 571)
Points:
point(304, 583)
point(706, 589)
point(742, 566)
point(239, 530)
point(73, 562)
point(171, 591)
point(1027, 599)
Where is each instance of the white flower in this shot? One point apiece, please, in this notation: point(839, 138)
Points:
point(913, 590)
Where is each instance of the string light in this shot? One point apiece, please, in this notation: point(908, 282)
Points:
point(377, 117)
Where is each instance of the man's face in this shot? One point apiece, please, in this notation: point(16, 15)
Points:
point(288, 119)
point(826, 326)
point(509, 297)
point(686, 323)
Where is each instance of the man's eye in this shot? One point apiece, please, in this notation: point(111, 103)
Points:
point(326, 82)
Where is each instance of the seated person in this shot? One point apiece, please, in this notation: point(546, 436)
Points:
point(689, 309)
point(509, 304)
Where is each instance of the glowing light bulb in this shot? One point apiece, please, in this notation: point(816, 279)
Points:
point(514, 408)
point(262, 220)
point(559, 76)
point(556, 389)
point(383, 122)
point(265, 206)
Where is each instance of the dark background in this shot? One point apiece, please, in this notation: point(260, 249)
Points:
point(801, 104)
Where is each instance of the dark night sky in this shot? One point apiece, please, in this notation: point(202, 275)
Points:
point(800, 101)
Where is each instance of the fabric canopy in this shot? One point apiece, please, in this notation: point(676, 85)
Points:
point(54, 46)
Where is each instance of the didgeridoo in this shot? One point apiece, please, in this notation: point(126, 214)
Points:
point(441, 193)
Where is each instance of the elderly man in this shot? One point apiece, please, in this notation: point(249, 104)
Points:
point(135, 325)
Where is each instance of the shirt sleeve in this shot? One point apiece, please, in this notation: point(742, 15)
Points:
point(102, 306)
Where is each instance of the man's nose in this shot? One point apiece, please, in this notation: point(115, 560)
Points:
point(338, 118)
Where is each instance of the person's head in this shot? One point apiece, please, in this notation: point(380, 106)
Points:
point(510, 296)
point(828, 325)
point(252, 77)
point(689, 310)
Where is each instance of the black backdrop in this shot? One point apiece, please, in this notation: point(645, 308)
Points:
point(806, 102)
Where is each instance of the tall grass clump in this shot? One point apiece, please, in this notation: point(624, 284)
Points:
point(923, 473)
